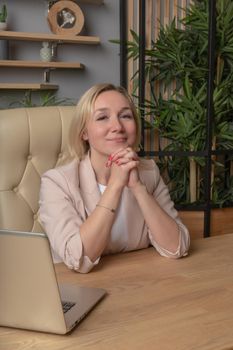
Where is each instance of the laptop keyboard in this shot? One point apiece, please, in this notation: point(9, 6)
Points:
point(67, 305)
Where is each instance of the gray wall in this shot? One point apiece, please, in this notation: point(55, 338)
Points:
point(101, 62)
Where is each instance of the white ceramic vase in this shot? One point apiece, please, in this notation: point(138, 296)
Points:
point(46, 52)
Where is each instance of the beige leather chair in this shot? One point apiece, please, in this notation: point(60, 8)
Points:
point(32, 140)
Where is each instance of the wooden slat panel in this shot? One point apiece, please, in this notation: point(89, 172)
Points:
point(159, 12)
point(149, 29)
point(221, 222)
point(130, 21)
point(194, 220)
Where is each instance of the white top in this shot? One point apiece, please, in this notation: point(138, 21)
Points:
point(118, 233)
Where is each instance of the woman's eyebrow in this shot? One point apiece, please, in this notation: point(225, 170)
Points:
point(98, 111)
point(104, 109)
point(101, 109)
point(125, 109)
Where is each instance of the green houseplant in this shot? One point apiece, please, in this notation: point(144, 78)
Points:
point(3, 17)
point(45, 98)
point(177, 61)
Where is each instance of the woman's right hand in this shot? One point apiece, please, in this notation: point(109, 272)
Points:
point(121, 164)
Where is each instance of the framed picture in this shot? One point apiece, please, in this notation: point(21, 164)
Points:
point(65, 17)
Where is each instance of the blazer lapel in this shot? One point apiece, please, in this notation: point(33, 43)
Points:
point(88, 185)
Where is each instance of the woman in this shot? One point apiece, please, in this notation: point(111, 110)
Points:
point(107, 200)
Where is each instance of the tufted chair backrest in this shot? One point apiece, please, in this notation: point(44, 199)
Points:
point(32, 140)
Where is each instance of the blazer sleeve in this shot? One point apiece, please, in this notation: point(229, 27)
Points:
point(162, 196)
point(61, 220)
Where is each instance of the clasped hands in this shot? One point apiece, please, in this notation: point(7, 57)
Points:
point(124, 167)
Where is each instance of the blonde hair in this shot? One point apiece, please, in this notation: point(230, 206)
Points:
point(84, 109)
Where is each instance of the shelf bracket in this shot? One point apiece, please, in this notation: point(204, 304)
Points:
point(46, 75)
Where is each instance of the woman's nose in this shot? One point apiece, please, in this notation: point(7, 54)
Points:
point(116, 125)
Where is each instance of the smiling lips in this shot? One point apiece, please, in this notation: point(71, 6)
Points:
point(118, 140)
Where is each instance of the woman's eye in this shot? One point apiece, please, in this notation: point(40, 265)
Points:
point(126, 116)
point(102, 117)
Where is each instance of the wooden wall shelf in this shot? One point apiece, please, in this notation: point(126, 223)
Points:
point(47, 66)
point(40, 64)
point(26, 36)
point(28, 86)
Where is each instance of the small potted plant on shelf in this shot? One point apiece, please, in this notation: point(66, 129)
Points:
point(3, 17)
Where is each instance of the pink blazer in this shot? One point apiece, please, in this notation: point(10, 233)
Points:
point(70, 193)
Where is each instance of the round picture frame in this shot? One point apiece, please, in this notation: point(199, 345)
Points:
point(66, 18)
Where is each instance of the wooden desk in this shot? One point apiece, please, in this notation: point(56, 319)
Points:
point(152, 303)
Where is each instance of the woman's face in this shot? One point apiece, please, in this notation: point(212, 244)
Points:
point(111, 125)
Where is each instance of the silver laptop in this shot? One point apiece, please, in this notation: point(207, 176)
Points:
point(30, 297)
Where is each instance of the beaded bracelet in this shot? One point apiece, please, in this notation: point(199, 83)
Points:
point(102, 206)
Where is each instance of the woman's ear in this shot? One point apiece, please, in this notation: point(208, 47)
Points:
point(85, 135)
